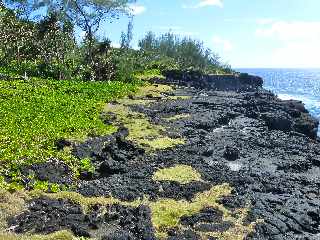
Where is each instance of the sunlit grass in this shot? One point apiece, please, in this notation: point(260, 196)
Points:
point(34, 114)
point(182, 174)
point(141, 130)
point(61, 235)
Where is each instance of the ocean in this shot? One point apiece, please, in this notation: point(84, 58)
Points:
point(299, 84)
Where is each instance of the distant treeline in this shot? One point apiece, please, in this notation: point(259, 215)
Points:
point(186, 53)
point(46, 46)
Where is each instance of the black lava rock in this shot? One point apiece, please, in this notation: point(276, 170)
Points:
point(47, 216)
point(263, 147)
point(231, 153)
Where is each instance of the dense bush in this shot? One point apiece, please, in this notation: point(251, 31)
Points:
point(56, 45)
point(43, 49)
point(169, 51)
point(47, 48)
point(16, 37)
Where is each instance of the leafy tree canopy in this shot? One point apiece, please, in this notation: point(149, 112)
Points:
point(86, 14)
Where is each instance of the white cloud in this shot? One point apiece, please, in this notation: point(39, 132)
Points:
point(136, 9)
point(297, 54)
point(226, 45)
point(298, 43)
point(206, 3)
point(288, 31)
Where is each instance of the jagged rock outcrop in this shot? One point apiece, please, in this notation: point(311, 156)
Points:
point(280, 115)
point(227, 82)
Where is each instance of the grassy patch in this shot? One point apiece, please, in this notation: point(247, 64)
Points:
point(153, 90)
point(166, 213)
point(239, 231)
point(141, 130)
point(87, 166)
point(62, 235)
point(159, 143)
point(178, 97)
point(150, 93)
point(34, 114)
point(182, 174)
point(10, 205)
point(149, 75)
point(131, 102)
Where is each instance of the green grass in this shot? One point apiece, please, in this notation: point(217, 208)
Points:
point(34, 114)
point(166, 213)
point(150, 74)
point(182, 174)
point(177, 117)
point(61, 235)
point(142, 131)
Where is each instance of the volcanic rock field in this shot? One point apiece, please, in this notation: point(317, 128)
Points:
point(190, 160)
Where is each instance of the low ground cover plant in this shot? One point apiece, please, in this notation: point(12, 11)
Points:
point(36, 113)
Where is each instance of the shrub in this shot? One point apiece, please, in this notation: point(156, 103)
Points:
point(169, 52)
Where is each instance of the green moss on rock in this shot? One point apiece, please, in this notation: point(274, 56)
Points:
point(61, 235)
point(182, 174)
point(141, 130)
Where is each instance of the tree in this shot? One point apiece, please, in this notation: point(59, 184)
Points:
point(55, 42)
point(126, 38)
point(89, 14)
point(149, 42)
point(16, 37)
point(43, 48)
point(85, 14)
point(186, 52)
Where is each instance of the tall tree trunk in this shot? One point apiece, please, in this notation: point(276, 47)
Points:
point(90, 39)
point(18, 55)
point(90, 50)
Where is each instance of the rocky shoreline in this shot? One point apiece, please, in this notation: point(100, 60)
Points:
point(261, 154)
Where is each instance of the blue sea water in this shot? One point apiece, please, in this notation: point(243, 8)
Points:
point(299, 84)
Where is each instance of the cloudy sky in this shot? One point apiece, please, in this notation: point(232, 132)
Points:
point(245, 33)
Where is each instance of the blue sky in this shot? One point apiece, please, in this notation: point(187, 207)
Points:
point(245, 33)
